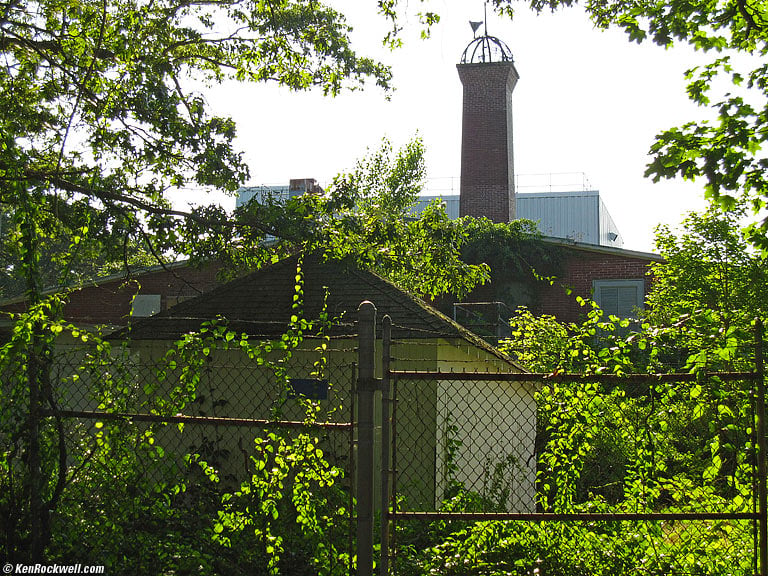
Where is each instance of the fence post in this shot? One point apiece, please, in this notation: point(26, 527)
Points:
point(35, 375)
point(762, 489)
point(366, 386)
point(386, 337)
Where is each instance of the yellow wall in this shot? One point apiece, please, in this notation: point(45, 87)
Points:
point(494, 422)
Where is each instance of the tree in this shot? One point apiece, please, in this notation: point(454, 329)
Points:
point(725, 152)
point(98, 117)
point(708, 266)
point(100, 120)
point(374, 223)
point(61, 262)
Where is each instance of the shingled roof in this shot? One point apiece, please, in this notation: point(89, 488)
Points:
point(260, 304)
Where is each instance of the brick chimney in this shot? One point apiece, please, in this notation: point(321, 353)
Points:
point(487, 159)
point(298, 186)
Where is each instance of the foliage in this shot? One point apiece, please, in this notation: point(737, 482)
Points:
point(702, 306)
point(510, 249)
point(419, 253)
point(292, 485)
point(367, 216)
point(101, 117)
point(78, 462)
point(99, 125)
point(290, 515)
point(566, 549)
point(66, 259)
point(540, 343)
point(518, 258)
point(707, 266)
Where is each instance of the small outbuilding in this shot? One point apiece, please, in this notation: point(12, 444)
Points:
point(448, 431)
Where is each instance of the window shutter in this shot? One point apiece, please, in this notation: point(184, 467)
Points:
point(627, 301)
point(608, 299)
point(619, 297)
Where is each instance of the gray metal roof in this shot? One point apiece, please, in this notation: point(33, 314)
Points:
point(579, 216)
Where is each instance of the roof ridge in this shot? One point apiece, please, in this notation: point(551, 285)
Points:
point(226, 286)
point(317, 272)
point(427, 308)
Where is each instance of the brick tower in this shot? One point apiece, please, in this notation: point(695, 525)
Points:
point(488, 75)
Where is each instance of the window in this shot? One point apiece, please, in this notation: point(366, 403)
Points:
point(146, 305)
point(620, 298)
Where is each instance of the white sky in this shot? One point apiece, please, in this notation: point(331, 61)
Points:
point(587, 101)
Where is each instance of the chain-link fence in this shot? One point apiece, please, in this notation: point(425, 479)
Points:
point(221, 459)
point(220, 398)
point(576, 474)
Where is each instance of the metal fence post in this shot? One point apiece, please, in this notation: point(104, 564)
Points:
point(386, 337)
point(365, 390)
point(762, 489)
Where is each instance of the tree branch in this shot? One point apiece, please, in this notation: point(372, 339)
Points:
point(81, 85)
point(111, 198)
point(747, 13)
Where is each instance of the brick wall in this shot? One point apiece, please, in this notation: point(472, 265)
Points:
point(109, 302)
point(580, 270)
point(487, 161)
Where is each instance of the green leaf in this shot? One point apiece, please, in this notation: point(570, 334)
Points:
point(695, 391)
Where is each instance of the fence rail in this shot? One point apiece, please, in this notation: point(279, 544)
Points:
point(545, 378)
point(202, 420)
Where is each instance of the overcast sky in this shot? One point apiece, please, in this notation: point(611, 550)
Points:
point(587, 102)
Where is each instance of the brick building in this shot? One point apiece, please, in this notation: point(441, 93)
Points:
point(112, 300)
point(616, 279)
point(594, 266)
